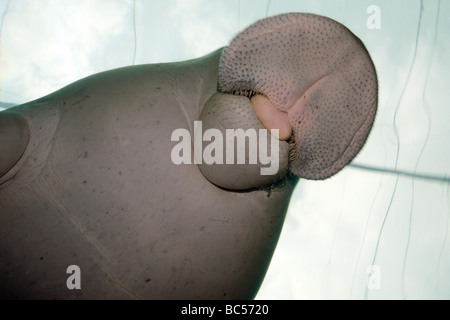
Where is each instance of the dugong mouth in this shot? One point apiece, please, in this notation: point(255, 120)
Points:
point(250, 157)
point(311, 78)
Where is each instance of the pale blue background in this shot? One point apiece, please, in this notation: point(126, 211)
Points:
point(335, 229)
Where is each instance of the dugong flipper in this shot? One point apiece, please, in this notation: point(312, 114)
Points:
point(91, 180)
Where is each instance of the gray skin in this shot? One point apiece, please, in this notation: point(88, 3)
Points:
point(96, 188)
point(87, 179)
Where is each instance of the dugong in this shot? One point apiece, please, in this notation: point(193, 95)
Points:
point(88, 180)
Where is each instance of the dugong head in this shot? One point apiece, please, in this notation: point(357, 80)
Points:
point(311, 78)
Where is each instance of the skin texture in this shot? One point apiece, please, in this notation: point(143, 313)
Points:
point(320, 74)
point(91, 181)
point(14, 137)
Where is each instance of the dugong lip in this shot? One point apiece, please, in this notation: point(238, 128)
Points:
point(242, 154)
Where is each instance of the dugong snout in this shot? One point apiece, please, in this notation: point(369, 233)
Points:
point(310, 77)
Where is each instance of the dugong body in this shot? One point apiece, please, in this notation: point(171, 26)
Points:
point(88, 177)
point(96, 188)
